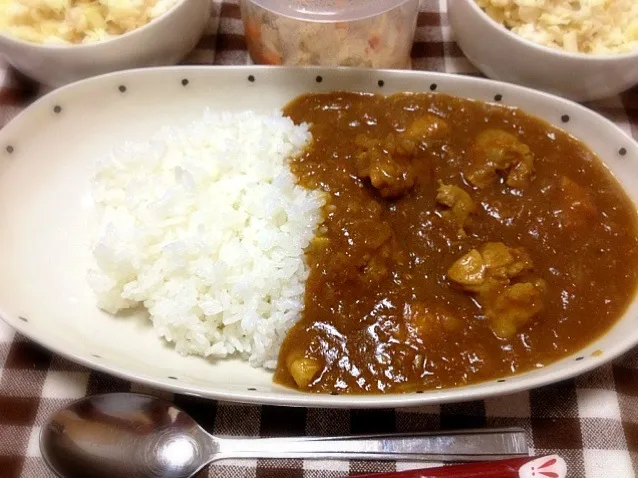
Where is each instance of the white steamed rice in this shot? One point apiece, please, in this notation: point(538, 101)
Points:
point(206, 227)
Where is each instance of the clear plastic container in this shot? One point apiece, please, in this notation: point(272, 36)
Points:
point(364, 33)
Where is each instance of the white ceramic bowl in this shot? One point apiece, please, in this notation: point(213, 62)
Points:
point(503, 55)
point(164, 41)
point(47, 159)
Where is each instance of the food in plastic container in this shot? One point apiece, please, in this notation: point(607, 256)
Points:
point(364, 33)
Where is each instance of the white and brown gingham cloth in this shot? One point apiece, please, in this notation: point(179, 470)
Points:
point(591, 421)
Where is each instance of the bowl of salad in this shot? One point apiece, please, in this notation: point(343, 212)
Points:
point(57, 43)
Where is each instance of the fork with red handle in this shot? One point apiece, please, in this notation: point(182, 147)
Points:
point(532, 467)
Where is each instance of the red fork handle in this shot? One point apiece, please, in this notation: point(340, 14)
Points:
point(493, 469)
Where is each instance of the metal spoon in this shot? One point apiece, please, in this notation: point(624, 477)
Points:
point(139, 436)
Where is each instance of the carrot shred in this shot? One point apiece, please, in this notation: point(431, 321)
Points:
point(253, 30)
point(270, 57)
point(374, 41)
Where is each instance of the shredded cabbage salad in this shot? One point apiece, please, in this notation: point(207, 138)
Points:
point(578, 26)
point(76, 21)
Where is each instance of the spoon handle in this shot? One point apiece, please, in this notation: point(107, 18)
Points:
point(466, 445)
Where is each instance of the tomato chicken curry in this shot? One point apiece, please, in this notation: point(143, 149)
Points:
point(462, 242)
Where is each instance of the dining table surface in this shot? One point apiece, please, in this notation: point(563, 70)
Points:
point(591, 420)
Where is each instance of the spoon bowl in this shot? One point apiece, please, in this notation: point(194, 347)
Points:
point(124, 435)
point(140, 436)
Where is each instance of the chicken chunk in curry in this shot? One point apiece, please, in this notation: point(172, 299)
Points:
point(387, 164)
point(494, 274)
point(425, 128)
point(462, 242)
point(303, 369)
point(496, 151)
point(459, 202)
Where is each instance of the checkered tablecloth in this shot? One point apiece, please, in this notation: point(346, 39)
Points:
point(591, 421)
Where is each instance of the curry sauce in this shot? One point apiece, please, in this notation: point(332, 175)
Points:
point(462, 242)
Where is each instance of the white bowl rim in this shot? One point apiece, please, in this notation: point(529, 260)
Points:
point(76, 46)
point(352, 401)
point(606, 57)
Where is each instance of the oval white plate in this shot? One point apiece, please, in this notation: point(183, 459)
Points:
point(47, 157)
